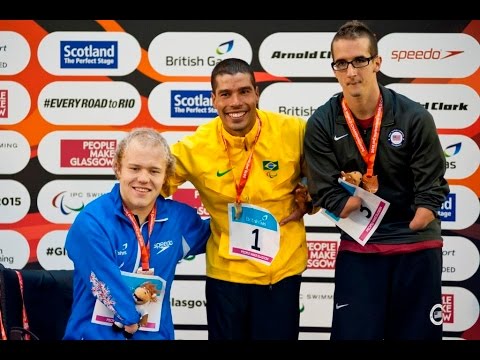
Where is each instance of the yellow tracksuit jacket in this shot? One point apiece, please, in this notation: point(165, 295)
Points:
point(203, 160)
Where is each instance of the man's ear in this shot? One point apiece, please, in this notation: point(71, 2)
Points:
point(115, 168)
point(378, 64)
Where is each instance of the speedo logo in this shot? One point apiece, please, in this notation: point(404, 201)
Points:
point(221, 173)
point(162, 246)
point(426, 55)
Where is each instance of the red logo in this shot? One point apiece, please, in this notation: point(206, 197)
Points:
point(92, 153)
point(321, 254)
point(447, 308)
point(192, 198)
point(3, 103)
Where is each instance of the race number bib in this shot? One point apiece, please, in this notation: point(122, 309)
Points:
point(362, 223)
point(255, 234)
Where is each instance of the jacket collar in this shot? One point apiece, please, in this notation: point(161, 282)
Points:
point(118, 205)
point(388, 107)
point(242, 141)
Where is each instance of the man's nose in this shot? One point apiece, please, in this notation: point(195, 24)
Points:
point(143, 176)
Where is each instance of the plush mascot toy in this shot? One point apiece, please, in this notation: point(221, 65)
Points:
point(142, 295)
point(353, 177)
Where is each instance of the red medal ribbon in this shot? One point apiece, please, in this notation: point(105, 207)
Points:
point(248, 165)
point(144, 249)
point(367, 155)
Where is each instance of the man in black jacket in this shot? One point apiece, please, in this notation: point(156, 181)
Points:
point(390, 287)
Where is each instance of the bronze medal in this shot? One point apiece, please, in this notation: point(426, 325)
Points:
point(370, 183)
point(238, 210)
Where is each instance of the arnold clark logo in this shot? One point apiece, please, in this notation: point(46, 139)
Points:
point(195, 53)
point(297, 54)
point(453, 106)
point(432, 55)
point(89, 53)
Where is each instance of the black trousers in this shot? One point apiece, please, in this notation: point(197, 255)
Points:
point(253, 312)
point(388, 297)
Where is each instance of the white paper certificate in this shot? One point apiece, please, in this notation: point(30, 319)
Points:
point(103, 316)
point(361, 224)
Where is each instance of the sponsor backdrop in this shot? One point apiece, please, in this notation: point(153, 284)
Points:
point(69, 90)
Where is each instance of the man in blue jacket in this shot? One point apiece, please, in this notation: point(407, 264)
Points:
point(127, 237)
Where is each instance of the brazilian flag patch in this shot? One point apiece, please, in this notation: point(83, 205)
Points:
point(269, 165)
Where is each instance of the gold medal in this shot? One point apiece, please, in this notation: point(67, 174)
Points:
point(370, 183)
point(238, 210)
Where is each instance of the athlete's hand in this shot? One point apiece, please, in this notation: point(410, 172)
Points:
point(422, 218)
point(302, 204)
point(131, 329)
point(353, 204)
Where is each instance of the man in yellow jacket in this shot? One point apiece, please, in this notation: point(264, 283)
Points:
point(246, 164)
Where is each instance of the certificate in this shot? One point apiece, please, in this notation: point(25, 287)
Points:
point(103, 316)
point(362, 223)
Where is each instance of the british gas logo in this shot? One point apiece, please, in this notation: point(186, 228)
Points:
point(195, 53)
point(429, 55)
point(297, 99)
point(462, 156)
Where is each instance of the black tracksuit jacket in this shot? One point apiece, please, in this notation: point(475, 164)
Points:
point(410, 165)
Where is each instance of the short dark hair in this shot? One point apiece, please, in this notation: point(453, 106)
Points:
point(231, 66)
point(355, 29)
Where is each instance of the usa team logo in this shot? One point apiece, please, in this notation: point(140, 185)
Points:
point(396, 138)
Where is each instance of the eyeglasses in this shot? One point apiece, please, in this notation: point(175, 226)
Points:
point(358, 62)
